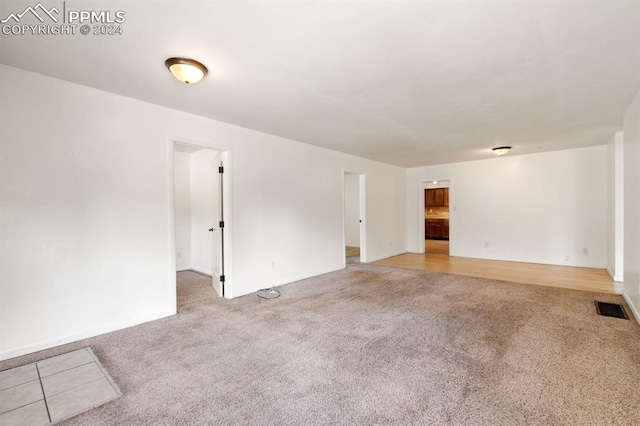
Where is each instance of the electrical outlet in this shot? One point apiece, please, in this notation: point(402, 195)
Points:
point(178, 255)
point(273, 264)
point(566, 258)
point(486, 244)
point(585, 251)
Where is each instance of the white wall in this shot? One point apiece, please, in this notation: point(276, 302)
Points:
point(203, 195)
point(182, 177)
point(615, 207)
point(86, 184)
point(631, 290)
point(352, 209)
point(528, 208)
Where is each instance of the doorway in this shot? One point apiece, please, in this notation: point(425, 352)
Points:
point(200, 200)
point(353, 211)
point(437, 220)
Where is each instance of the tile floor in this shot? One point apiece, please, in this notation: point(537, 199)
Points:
point(54, 389)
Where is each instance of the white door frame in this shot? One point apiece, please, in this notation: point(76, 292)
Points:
point(452, 215)
point(226, 159)
point(362, 186)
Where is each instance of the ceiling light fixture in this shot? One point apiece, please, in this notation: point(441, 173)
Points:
point(501, 150)
point(188, 71)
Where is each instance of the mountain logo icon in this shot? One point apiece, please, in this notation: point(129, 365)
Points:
point(38, 11)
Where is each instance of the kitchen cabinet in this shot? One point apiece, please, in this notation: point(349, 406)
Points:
point(438, 197)
point(429, 198)
point(436, 229)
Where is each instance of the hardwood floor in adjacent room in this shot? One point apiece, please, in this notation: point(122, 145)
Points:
point(436, 259)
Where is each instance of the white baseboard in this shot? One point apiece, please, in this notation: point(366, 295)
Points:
point(47, 344)
point(193, 268)
point(202, 271)
point(384, 256)
point(634, 311)
point(613, 276)
point(287, 280)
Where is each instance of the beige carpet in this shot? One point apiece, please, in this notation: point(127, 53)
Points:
point(375, 345)
point(194, 287)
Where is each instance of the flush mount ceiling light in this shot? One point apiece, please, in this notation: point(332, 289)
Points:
point(501, 150)
point(186, 70)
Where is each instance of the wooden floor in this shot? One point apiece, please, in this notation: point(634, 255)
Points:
point(436, 259)
point(352, 251)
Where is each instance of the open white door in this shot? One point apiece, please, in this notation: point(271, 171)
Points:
point(217, 229)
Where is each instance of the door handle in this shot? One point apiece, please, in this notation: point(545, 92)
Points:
point(211, 229)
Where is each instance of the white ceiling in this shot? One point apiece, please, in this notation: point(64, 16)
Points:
point(404, 82)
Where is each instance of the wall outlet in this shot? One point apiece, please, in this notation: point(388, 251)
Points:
point(566, 258)
point(273, 264)
point(486, 244)
point(178, 255)
point(585, 251)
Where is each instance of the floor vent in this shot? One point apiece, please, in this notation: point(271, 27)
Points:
point(611, 310)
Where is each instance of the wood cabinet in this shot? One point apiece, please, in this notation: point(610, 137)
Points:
point(436, 229)
point(438, 197)
point(429, 198)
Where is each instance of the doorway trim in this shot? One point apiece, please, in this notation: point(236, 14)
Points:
point(362, 185)
point(452, 210)
point(226, 159)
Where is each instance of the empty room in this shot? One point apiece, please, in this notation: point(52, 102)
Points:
point(319, 212)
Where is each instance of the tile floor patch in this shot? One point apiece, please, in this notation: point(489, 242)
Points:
point(33, 415)
point(18, 376)
point(19, 396)
point(73, 383)
point(69, 379)
point(64, 362)
point(78, 400)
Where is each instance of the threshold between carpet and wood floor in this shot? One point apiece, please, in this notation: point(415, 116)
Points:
point(373, 345)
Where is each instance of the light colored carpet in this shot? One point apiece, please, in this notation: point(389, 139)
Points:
point(376, 345)
point(194, 287)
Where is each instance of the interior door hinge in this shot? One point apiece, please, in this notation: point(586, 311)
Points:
point(221, 278)
point(220, 169)
point(222, 224)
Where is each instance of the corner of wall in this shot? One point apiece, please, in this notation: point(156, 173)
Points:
point(633, 308)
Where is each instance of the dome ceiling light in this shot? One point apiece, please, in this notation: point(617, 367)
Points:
point(501, 150)
point(188, 71)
